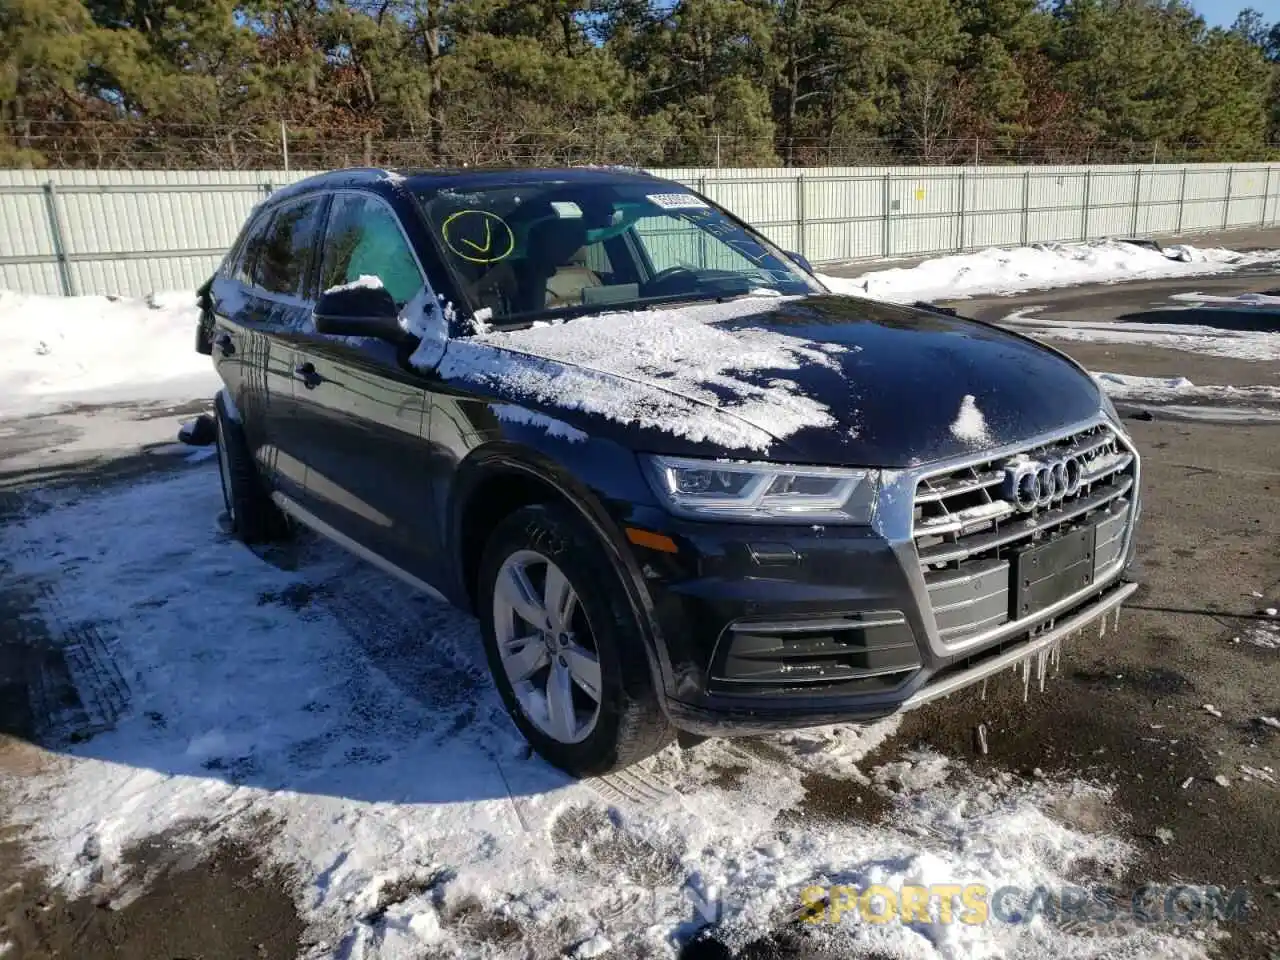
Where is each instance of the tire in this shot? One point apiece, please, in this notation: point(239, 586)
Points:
point(628, 724)
point(254, 518)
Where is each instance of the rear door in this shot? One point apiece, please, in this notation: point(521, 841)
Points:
point(361, 414)
point(259, 309)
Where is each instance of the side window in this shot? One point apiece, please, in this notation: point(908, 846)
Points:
point(364, 239)
point(251, 249)
point(281, 266)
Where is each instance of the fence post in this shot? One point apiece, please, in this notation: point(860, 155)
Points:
point(1266, 195)
point(888, 193)
point(284, 145)
point(1182, 199)
point(962, 187)
point(1084, 209)
point(1026, 203)
point(1226, 206)
point(702, 234)
point(1137, 198)
point(801, 245)
point(58, 233)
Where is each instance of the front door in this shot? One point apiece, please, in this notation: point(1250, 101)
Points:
point(362, 416)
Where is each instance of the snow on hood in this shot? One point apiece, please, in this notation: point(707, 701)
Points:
point(677, 370)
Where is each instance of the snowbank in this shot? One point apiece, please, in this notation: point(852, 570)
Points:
point(1124, 386)
point(59, 351)
point(999, 271)
point(1189, 338)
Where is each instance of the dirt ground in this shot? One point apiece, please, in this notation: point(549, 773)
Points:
point(1129, 708)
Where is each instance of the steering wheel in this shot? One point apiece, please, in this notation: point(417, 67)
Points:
point(664, 281)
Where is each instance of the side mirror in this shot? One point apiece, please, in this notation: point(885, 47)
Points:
point(800, 259)
point(357, 310)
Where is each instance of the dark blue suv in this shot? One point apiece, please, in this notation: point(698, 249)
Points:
point(681, 485)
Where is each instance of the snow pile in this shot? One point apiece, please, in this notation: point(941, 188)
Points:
point(58, 351)
point(1266, 636)
point(1124, 386)
point(327, 714)
point(680, 371)
point(970, 425)
point(1190, 338)
point(1241, 300)
point(997, 271)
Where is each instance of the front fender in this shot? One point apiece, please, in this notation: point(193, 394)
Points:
point(598, 479)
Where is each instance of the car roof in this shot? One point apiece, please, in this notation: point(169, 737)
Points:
point(426, 180)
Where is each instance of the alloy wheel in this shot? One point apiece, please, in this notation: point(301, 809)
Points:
point(547, 648)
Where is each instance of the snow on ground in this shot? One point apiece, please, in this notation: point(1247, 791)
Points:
point(58, 351)
point(1265, 635)
point(999, 270)
point(300, 698)
point(1123, 386)
point(1189, 338)
point(1241, 300)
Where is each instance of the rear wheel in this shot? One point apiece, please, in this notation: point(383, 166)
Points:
point(254, 518)
point(564, 646)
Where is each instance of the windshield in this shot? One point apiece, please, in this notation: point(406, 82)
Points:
point(533, 251)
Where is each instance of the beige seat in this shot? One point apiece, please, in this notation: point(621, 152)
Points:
point(557, 268)
point(565, 286)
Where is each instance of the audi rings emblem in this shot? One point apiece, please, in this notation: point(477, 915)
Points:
point(1029, 484)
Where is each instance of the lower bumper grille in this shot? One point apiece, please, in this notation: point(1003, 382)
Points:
point(978, 528)
point(872, 651)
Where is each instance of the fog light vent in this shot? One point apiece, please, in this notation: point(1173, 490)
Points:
point(876, 647)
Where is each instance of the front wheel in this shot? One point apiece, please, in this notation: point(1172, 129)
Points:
point(564, 646)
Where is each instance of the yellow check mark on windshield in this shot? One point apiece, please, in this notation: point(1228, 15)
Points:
point(488, 239)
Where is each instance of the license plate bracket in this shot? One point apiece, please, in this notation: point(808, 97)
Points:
point(1045, 573)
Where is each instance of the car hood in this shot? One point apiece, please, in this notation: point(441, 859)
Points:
point(824, 380)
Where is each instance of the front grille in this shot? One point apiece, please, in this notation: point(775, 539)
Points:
point(969, 526)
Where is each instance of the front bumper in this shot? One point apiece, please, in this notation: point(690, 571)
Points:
point(769, 628)
point(728, 716)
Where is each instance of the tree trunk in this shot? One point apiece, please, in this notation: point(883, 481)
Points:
point(793, 13)
point(435, 92)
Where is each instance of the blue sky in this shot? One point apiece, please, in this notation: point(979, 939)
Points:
point(1222, 13)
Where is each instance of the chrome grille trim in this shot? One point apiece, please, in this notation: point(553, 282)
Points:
point(1023, 528)
point(939, 491)
point(962, 518)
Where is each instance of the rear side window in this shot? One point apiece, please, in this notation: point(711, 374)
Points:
point(364, 239)
point(285, 254)
point(250, 249)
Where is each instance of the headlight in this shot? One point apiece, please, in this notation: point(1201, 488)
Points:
point(1108, 408)
point(756, 492)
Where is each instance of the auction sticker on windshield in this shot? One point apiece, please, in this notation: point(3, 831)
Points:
point(676, 201)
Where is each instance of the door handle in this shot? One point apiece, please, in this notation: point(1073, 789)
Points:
point(225, 344)
point(306, 372)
